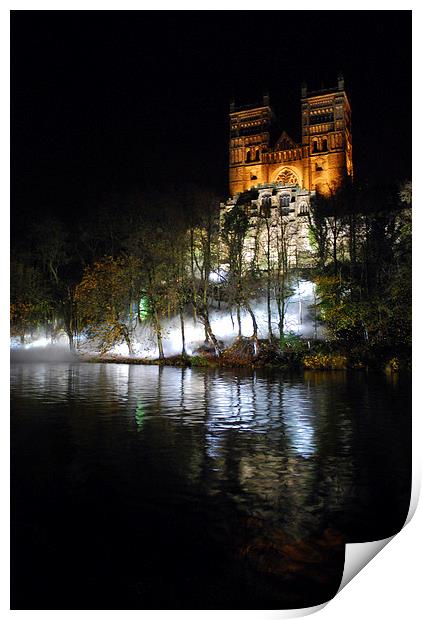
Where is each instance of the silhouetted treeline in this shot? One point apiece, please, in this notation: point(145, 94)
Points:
point(152, 255)
point(363, 241)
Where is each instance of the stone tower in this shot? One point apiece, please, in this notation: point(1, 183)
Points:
point(250, 129)
point(326, 137)
point(321, 161)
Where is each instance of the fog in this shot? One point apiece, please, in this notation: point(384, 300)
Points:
point(41, 349)
point(299, 320)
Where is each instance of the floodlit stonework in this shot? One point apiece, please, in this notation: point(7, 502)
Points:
point(321, 161)
point(274, 178)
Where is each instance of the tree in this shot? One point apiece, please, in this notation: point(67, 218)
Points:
point(177, 290)
point(282, 287)
point(31, 305)
point(318, 231)
point(52, 250)
point(367, 307)
point(104, 297)
point(240, 278)
point(266, 218)
point(203, 237)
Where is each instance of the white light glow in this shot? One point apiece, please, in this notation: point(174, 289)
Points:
point(299, 319)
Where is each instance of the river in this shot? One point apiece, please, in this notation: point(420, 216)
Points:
point(137, 487)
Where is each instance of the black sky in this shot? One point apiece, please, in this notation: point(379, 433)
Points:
point(109, 101)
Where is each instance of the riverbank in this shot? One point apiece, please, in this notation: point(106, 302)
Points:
point(300, 355)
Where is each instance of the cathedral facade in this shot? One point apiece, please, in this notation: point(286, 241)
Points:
point(320, 162)
point(275, 178)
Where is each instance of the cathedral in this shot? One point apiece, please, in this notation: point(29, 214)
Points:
point(320, 161)
point(272, 172)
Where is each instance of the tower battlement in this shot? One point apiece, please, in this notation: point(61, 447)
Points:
point(321, 161)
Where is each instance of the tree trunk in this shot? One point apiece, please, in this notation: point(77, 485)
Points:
point(232, 319)
point(283, 293)
point(69, 329)
point(205, 300)
point(239, 321)
point(270, 329)
point(67, 306)
point(192, 268)
point(128, 341)
point(71, 342)
point(281, 307)
point(254, 326)
point(182, 328)
point(157, 326)
point(204, 316)
point(334, 230)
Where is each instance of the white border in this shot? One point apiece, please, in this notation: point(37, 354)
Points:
point(389, 586)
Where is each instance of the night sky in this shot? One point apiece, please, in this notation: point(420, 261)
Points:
point(106, 102)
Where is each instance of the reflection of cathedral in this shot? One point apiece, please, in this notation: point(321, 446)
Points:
point(274, 177)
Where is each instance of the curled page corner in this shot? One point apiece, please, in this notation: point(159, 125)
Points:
point(358, 555)
point(414, 497)
point(299, 613)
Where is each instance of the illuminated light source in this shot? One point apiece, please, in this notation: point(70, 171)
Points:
point(143, 308)
point(298, 319)
point(41, 342)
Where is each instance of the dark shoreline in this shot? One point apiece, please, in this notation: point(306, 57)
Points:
point(289, 361)
point(203, 362)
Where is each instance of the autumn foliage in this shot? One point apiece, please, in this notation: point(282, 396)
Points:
point(105, 297)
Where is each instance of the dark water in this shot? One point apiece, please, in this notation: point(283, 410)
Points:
point(143, 487)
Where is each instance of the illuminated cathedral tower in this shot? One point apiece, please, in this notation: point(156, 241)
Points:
point(320, 162)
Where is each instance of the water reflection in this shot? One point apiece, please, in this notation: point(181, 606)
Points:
point(276, 442)
point(300, 455)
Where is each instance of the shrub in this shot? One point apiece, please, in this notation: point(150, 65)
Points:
point(325, 362)
point(393, 364)
point(198, 361)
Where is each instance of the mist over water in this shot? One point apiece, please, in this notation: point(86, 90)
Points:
point(300, 319)
point(41, 349)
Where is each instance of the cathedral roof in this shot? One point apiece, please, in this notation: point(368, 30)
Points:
point(284, 143)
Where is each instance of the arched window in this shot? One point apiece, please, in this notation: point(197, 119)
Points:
point(315, 146)
point(325, 145)
point(284, 200)
point(266, 206)
point(248, 156)
point(257, 155)
point(287, 177)
point(303, 208)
